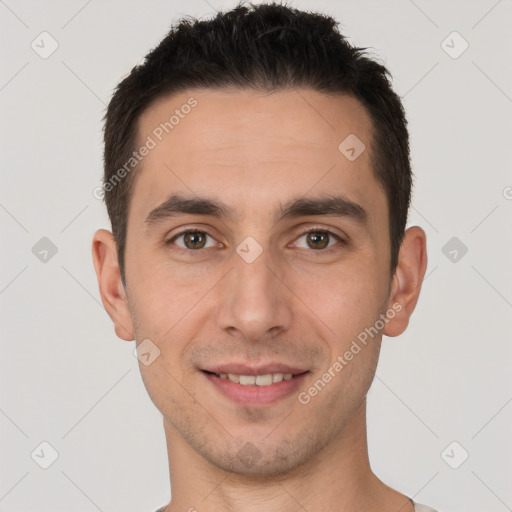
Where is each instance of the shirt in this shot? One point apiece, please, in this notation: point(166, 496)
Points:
point(418, 507)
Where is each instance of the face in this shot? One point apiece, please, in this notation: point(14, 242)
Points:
point(276, 265)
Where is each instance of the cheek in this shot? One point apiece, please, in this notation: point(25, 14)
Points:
point(162, 310)
point(166, 288)
point(348, 388)
point(170, 309)
point(346, 299)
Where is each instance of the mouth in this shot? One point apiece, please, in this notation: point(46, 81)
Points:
point(246, 386)
point(266, 379)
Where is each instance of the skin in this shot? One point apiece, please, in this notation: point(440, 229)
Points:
point(293, 304)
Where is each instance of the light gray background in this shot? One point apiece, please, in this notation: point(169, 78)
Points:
point(65, 377)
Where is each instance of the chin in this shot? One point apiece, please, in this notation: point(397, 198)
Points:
point(262, 460)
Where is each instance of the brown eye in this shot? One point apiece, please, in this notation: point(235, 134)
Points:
point(192, 240)
point(318, 240)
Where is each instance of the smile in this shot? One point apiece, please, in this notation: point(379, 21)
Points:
point(256, 380)
point(255, 390)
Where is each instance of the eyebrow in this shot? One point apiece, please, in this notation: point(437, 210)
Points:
point(178, 205)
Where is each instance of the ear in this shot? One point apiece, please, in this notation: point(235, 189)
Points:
point(407, 280)
point(113, 295)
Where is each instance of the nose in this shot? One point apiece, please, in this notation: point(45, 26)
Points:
point(255, 303)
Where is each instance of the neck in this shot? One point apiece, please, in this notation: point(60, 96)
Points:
point(338, 478)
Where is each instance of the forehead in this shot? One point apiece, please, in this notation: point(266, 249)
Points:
point(239, 143)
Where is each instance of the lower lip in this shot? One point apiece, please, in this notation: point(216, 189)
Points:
point(256, 395)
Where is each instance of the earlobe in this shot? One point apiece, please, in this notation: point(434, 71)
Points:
point(407, 280)
point(112, 292)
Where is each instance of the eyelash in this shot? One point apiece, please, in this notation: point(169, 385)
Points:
point(341, 241)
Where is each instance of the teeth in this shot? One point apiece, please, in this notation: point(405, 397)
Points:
point(263, 380)
point(258, 380)
point(247, 380)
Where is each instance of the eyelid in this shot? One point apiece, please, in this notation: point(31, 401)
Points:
point(184, 232)
point(310, 229)
point(343, 240)
point(318, 229)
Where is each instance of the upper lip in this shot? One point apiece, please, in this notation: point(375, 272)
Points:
point(243, 369)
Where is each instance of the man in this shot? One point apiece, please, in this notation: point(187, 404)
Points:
point(257, 178)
